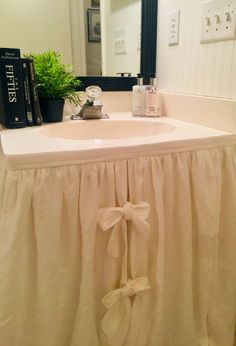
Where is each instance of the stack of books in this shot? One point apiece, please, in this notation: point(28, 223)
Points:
point(19, 102)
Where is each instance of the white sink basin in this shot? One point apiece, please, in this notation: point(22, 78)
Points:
point(106, 129)
point(120, 137)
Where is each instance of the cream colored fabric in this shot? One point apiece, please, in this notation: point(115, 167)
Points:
point(55, 269)
point(116, 219)
point(115, 322)
point(113, 217)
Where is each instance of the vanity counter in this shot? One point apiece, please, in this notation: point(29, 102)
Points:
point(73, 141)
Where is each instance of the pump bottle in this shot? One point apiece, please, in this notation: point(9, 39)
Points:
point(153, 99)
point(139, 98)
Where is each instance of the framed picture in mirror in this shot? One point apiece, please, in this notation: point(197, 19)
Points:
point(94, 25)
point(95, 3)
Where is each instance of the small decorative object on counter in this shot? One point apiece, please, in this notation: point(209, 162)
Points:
point(92, 109)
point(28, 100)
point(55, 83)
point(28, 63)
point(12, 100)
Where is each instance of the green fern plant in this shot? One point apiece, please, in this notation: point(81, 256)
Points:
point(55, 80)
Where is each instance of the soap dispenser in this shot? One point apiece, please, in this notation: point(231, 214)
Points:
point(153, 98)
point(139, 98)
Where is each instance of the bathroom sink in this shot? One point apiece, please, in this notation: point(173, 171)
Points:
point(106, 129)
point(119, 137)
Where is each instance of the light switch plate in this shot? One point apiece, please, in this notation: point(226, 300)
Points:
point(120, 41)
point(218, 22)
point(173, 29)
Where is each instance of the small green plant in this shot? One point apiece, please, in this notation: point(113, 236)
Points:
point(55, 80)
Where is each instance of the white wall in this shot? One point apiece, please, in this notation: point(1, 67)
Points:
point(121, 14)
point(191, 67)
point(78, 37)
point(36, 26)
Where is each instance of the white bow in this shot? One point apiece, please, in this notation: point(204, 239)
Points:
point(113, 218)
point(116, 319)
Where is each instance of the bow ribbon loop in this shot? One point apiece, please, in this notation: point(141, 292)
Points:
point(112, 218)
point(118, 304)
point(131, 288)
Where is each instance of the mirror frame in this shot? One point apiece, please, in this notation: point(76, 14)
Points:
point(149, 10)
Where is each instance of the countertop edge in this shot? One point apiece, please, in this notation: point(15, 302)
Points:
point(56, 159)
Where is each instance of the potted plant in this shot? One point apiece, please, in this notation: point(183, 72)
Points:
point(55, 83)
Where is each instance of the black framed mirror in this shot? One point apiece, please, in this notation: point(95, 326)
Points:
point(149, 10)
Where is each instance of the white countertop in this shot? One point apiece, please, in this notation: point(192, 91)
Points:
point(31, 147)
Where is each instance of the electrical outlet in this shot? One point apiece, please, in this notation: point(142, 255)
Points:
point(174, 28)
point(218, 20)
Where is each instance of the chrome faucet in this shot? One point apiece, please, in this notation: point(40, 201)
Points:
point(92, 109)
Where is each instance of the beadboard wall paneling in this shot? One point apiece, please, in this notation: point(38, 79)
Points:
point(191, 67)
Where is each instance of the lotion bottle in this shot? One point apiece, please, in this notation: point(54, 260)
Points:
point(139, 98)
point(153, 99)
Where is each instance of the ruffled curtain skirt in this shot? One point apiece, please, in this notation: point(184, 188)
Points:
point(55, 268)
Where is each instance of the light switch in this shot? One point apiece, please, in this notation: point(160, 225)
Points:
point(218, 20)
point(174, 17)
point(120, 41)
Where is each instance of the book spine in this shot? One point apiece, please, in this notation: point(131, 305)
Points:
point(28, 105)
point(37, 116)
point(12, 102)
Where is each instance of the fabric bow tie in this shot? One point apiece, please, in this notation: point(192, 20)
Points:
point(114, 217)
point(118, 304)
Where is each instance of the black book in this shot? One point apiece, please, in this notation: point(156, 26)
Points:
point(37, 116)
point(12, 101)
point(26, 81)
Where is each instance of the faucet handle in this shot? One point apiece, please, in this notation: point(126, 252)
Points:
point(124, 74)
point(93, 92)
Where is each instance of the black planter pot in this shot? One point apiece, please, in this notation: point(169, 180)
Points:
point(52, 109)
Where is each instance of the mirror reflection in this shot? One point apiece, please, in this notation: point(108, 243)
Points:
point(99, 37)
